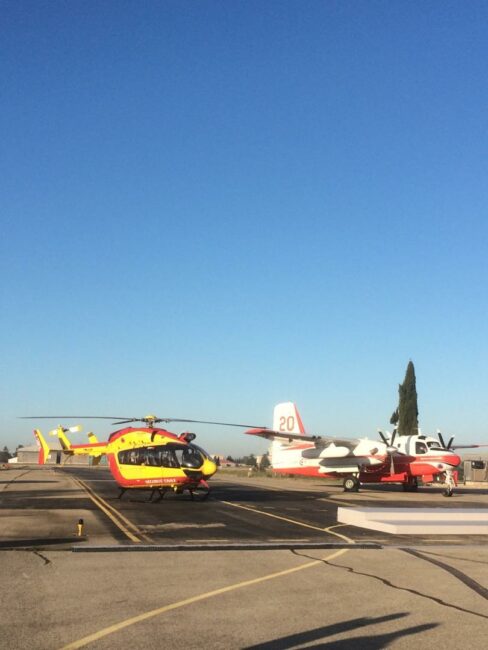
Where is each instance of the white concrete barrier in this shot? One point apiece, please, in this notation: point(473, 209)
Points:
point(418, 521)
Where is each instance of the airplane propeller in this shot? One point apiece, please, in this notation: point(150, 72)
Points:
point(451, 447)
point(441, 440)
point(390, 449)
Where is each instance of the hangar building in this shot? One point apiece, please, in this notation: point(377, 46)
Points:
point(30, 454)
point(475, 467)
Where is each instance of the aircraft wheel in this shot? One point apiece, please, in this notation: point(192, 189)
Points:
point(351, 484)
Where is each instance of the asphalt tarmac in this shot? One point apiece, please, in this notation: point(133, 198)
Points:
point(262, 563)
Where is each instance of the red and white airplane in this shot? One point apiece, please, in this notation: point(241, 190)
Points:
point(393, 459)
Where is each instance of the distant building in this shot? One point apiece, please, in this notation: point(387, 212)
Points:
point(30, 454)
point(475, 466)
point(223, 462)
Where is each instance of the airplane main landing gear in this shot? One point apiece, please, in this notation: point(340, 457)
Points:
point(411, 485)
point(351, 484)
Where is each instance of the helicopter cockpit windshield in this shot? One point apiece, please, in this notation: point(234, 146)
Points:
point(189, 457)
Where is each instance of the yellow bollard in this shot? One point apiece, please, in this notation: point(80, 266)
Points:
point(80, 527)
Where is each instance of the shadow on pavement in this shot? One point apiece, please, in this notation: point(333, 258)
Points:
point(369, 642)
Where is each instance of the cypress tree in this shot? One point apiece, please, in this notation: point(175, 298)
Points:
point(394, 417)
point(408, 413)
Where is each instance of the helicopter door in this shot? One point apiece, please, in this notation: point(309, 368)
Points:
point(168, 458)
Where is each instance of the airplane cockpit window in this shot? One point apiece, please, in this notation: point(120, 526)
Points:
point(433, 444)
point(420, 448)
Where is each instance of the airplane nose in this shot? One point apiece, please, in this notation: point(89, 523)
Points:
point(454, 460)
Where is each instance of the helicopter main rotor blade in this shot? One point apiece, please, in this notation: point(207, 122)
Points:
point(126, 420)
point(223, 424)
point(131, 420)
point(69, 417)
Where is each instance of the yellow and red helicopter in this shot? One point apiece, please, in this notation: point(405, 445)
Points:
point(147, 457)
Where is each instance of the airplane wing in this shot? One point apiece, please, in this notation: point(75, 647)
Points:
point(466, 446)
point(319, 441)
point(271, 435)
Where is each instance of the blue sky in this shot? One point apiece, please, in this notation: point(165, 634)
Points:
point(211, 207)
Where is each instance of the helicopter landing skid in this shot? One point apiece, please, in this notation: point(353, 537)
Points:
point(202, 491)
point(160, 493)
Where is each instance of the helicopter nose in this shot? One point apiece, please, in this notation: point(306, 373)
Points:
point(209, 468)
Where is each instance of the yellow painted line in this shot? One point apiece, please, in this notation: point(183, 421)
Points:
point(96, 636)
point(291, 521)
point(116, 512)
point(344, 537)
point(96, 500)
point(333, 500)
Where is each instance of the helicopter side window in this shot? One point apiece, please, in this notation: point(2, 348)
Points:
point(420, 448)
point(142, 457)
point(168, 458)
point(130, 457)
point(152, 457)
point(122, 457)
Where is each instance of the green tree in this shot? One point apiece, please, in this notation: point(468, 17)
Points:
point(408, 412)
point(394, 417)
point(248, 460)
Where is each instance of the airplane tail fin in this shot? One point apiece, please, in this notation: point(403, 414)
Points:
point(43, 447)
point(286, 419)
